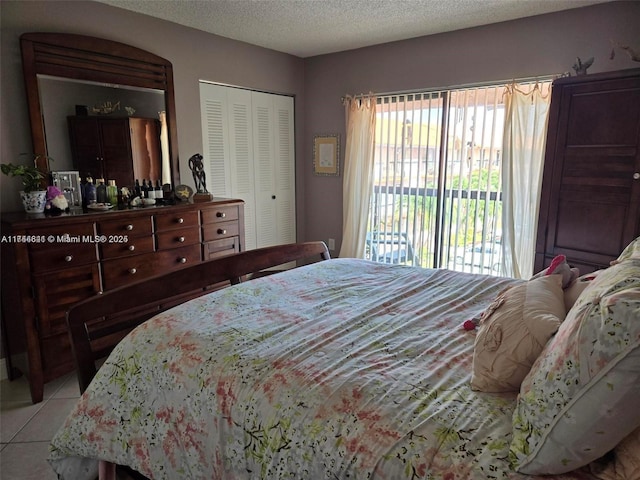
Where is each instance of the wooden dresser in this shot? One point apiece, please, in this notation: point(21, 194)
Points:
point(590, 202)
point(50, 263)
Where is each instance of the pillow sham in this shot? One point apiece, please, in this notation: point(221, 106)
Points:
point(625, 461)
point(580, 398)
point(573, 291)
point(513, 331)
point(631, 251)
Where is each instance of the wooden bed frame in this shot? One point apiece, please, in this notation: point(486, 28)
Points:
point(98, 323)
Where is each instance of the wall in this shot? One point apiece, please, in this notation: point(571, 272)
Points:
point(195, 56)
point(542, 45)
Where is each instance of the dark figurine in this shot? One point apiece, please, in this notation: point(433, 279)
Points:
point(197, 169)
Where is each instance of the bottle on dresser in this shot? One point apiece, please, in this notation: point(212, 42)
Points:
point(137, 191)
point(89, 192)
point(101, 191)
point(144, 189)
point(112, 192)
point(151, 193)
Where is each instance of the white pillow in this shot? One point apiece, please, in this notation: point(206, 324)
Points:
point(581, 396)
point(513, 331)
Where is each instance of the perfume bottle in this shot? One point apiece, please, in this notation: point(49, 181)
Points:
point(112, 192)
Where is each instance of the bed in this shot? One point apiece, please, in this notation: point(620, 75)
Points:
point(341, 368)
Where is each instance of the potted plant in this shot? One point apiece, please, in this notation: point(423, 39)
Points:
point(34, 197)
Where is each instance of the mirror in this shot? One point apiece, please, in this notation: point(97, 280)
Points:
point(63, 71)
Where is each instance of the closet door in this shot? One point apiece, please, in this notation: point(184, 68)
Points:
point(274, 168)
point(248, 142)
point(227, 131)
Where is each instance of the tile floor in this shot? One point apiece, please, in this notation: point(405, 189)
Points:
point(26, 429)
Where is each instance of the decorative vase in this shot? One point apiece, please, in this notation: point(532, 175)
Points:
point(34, 202)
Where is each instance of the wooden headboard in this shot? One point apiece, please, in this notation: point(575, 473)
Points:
point(98, 323)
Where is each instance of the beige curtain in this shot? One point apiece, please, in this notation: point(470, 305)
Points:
point(526, 117)
point(358, 171)
point(164, 145)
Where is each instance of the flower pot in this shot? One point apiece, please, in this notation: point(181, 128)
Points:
point(34, 202)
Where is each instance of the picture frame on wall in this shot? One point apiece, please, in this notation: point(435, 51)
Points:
point(326, 155)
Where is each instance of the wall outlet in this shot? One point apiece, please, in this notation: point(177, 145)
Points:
point(331, 244)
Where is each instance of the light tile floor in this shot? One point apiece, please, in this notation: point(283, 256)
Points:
point(26, 429)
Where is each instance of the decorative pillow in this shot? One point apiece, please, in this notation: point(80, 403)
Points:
point(573, 291)
point(631, 251)
point(513, 331)
point(624, 463)
point(580, 398)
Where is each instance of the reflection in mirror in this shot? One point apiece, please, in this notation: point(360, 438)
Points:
point(81, 135)
point(71, 79)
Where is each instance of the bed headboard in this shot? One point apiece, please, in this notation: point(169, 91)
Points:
point(98, 323)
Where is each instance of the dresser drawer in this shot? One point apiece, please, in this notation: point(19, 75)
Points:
point(133, 246)
point(176, 220)
point(59, 236)
point(126, 270)
point(137, 226)
point(219, 214)
point(221, 248)
point(216, 231)
point(71, 255)
point(178, 238)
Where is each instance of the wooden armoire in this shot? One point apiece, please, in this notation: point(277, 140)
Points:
point(590, 203)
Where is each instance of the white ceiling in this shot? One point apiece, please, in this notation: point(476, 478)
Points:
point(312, 27)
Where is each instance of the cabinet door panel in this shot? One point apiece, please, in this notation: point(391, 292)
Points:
point(590, 204)
point(56, 292)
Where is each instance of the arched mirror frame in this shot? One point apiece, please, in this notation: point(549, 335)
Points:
point(81, 57)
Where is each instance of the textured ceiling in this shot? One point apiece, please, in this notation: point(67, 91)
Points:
point(312, 27)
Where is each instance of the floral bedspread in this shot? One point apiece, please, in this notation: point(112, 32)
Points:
point(340, 369)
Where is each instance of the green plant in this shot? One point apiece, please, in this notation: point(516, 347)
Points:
point(31, 177)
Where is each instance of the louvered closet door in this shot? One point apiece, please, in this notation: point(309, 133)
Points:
point(284, 169)
point(215, 144)
point(274, 168)
point(249, 146)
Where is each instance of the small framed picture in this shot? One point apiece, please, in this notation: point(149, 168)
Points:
point(326, 155)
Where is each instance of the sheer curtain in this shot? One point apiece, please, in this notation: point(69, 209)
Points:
point(358, 171)
point(164, 145)
point(524, 139)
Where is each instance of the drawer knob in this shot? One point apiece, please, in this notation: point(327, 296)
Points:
point(182, 260)
point(636, 176)
point(68, 258)
point(133, 271)
point(132, 248)
point(221, 214)
point(181, 239)
point(181, 220)
point(221, 231)
point(129, 227)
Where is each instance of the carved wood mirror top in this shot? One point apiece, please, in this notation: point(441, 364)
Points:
point(96, 60)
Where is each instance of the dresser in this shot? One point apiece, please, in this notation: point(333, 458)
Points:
point(590, 201)
point(50, 263)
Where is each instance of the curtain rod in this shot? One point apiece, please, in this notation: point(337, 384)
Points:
point(540, 78)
